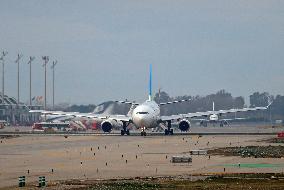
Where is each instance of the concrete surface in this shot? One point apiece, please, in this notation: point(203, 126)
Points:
point(73, 157)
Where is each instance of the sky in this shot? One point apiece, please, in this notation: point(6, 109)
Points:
point(104, 48)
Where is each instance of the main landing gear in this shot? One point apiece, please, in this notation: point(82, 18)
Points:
point(169, 131)
point(223, 123)
point(203, 123)
point(124, 130)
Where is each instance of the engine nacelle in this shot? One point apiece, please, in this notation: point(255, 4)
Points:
point(184, 125)
point(109, 124)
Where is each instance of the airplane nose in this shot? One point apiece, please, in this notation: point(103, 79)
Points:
point(141, 121)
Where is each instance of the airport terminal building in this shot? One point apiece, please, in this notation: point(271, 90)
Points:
point(17, 114)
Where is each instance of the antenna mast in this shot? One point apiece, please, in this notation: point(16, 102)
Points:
point(30, 63)
point(45, 59)
point(4, 53)
point(18, 62)
point(53, 78)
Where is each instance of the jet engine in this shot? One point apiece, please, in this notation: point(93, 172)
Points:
point(109, 124)
point(184, 125)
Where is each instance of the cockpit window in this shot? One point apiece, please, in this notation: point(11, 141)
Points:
point(142, 113)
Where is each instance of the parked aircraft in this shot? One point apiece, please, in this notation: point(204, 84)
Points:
point(214, 118)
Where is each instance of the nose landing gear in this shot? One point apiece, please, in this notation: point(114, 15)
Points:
point(143, 132)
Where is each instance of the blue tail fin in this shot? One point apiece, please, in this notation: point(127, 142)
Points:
point(150, 84)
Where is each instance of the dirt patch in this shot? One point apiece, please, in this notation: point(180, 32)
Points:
point(274, 140)
point(250, 151)
point(8, 136)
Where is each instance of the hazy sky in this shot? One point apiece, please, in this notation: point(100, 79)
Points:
point(104, 48)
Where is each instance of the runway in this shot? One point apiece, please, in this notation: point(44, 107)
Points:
point(244, 129)
point(132, 134)
point(111, 156)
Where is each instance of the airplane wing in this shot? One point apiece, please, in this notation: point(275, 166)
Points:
point(225, 119)
point(127, 102)
point(84, 115)
point(233, 119)
point(199, 114)
point(174, 102)
point(119, 117)
point(200, 120)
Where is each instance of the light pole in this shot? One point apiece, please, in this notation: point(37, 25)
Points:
point(18, 62)
point(46, 59)
point(30, 63)
point(4, 53)
point(53, 78)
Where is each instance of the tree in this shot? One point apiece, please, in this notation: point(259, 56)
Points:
point(277, 107)
point(239, 102)
point(162, 97)
point(259, 99)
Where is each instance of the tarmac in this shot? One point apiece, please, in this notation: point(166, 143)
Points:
point(111, 156)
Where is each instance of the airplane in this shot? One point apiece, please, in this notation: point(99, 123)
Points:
point(214, 118)
point(147, 115)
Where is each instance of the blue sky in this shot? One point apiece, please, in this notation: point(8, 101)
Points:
point(104, 48)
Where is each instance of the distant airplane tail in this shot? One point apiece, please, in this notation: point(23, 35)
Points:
point(133, 106)
point(269, 101)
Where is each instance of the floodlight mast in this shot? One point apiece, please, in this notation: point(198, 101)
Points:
point(46, 59)
point(53, 78)
point(30, 63)
point(4, 53)
point(18, 62)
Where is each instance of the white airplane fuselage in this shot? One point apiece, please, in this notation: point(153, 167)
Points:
point(213, 118)
point(146, 115)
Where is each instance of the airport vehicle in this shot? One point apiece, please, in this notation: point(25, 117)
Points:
point(147, 115)
point(214, 118)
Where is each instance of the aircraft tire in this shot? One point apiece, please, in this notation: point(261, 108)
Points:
point(171, 132)
point(122, 132)
point(166, 132)
point(143, 133)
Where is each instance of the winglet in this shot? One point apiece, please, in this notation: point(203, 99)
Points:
point(150, 84)
point(269, 104)
point(269, 101)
